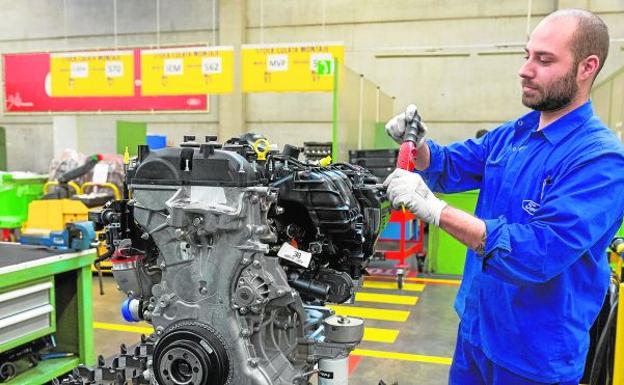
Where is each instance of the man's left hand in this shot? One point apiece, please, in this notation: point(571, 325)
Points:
point(409, 190)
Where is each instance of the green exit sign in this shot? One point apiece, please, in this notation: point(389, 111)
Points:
point(325, 67)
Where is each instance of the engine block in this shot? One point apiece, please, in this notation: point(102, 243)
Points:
point(231, 252)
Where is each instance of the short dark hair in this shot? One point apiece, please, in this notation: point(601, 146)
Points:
point(481, 133)
point(590, 38)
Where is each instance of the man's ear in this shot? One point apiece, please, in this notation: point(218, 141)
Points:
point(588, 67)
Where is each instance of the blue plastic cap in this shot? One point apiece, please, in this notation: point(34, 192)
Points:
point(126, 313)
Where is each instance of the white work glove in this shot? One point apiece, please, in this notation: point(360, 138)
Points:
point(395, 127)
point(408, 189)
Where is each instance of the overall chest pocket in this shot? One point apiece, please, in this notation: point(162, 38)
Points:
point(494, 172)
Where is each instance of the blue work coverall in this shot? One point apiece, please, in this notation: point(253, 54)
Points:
point(551, 200)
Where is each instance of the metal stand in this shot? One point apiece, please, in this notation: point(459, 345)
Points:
point(407, 247)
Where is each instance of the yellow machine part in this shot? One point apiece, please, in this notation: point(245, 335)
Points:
point(618, 368)
point(49, 215)
point(52, 215)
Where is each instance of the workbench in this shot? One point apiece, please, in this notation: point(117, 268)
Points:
point(49, 292)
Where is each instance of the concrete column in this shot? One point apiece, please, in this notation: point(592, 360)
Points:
point(232, 23)
point(65, 130)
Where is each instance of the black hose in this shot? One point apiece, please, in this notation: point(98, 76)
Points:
point(604, 344)
point(80, 170)
point(102, 258)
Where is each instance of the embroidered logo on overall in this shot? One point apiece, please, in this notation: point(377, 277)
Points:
point(529, 206)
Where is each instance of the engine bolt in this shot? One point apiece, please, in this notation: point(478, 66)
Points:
point(145, 236)
point(203, 290)
point(244, 261)
point(280, 292)
point(197, 221)
point(253, 362)
point(256, 264)
point(243, 310)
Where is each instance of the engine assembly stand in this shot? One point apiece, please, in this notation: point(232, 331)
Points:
point(129, 367)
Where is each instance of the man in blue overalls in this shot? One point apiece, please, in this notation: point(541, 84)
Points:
point(551, 199)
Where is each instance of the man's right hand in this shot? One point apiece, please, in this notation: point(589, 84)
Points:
point(395, 128)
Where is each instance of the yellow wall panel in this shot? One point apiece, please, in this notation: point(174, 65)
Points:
point(103, 73)
point(187, 71)
point(289, 67)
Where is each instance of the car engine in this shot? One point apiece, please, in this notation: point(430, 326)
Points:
point(231, 252)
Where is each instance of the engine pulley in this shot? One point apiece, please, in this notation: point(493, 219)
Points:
point(190, 353)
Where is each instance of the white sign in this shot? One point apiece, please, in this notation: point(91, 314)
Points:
point(79, 70)
point(100, 173)
point(316, 57)
point(174, 67)
point(211, 65)
point(114, 69)
point(292, 254)
point(277, 63)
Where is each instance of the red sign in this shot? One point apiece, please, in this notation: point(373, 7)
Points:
point(27, 89)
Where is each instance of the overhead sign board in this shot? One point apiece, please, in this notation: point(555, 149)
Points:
point(28, 89)
point(96, 73)
point(187, 71)
point(290, 67)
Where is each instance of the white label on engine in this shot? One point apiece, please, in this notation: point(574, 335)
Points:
point(294, 255)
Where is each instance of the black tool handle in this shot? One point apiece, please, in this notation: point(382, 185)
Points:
point(81, 170)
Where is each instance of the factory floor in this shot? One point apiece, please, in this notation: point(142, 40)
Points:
point(409, 336)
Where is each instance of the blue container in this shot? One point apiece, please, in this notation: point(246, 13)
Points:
point(155, 142)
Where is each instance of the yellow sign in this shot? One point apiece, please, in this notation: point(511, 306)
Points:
point(187, 71)
point(97, 73)
point(290, 67)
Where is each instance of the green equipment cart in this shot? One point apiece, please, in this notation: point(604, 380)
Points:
point(17, 190)
point(45, 292)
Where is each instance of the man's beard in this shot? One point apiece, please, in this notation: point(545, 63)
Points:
point(558, 95)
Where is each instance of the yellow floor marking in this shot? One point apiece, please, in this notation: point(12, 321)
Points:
point(402, 356)
point(386, 298)
point(392, 286)
point(372, 313)
point(123, 328)
point(380, 335)
point(433, 280)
